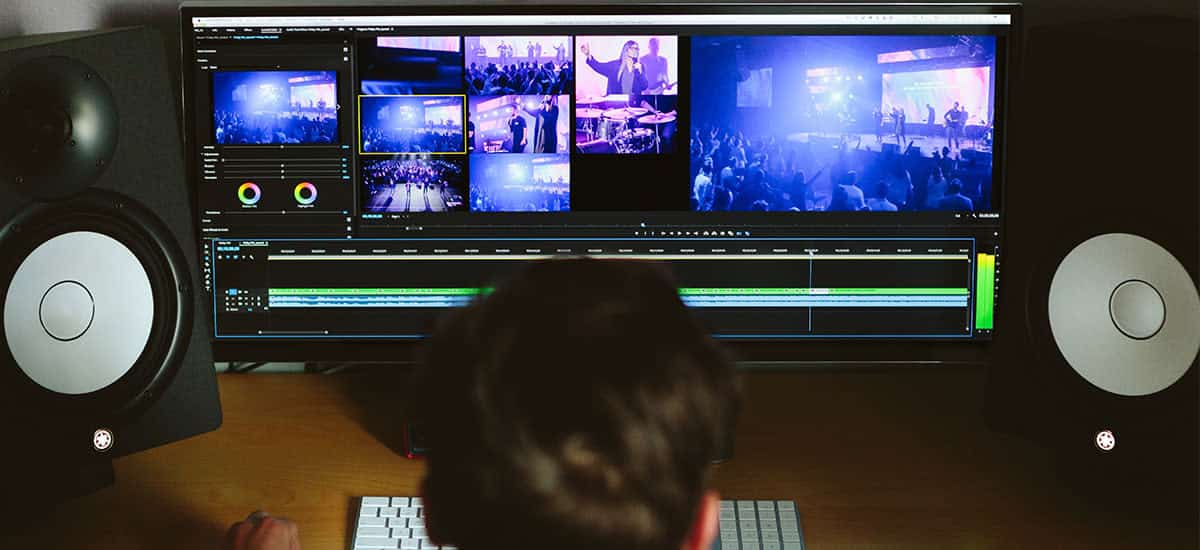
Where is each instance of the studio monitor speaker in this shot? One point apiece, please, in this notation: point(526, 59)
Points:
point(103, 342)
point(1099, 321)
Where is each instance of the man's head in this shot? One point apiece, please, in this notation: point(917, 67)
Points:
point(955, 187)
point(653, 46)
point(583, 400)
point(955, 105)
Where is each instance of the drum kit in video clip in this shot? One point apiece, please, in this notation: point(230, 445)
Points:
point(609, 123)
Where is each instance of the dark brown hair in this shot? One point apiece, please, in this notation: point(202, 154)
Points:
point(576, 407)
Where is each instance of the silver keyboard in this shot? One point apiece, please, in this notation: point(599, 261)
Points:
point(399, 523)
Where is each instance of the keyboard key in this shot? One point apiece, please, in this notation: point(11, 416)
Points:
point(793, 546)
point(745, 505)
point(418, 501)
point(749, 536)
point(375, 501)
point(399, 501)
point(751, 546)
point(765, 505)
point(372, 543)
point(416, 522)
point(410, 544)
point(747, 525)
point(729, 536)
point(767, 525)
point(387, 512)
point(791, 536)
point(368, 511)
point(397, 523)
point(786, 506)
point(728, 515)
point(726, 505)
point(407, 512)
point(402, 533)
point(772, 546)
point(381, 532)
point(418, 533)
point(426, 543)
point(373, 522)
point(770, 536)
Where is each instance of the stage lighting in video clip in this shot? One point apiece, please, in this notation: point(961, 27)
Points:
point(520, 183)
point(842, 123)
point(409, 65)
point(413, 184)
point(519, 124)
point(275, 107)
point(519, 65)
point(412, 124)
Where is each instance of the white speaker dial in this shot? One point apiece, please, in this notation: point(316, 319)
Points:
point(1137, 309)
point(78, 312)
point(67, 311)
point(1125, 314)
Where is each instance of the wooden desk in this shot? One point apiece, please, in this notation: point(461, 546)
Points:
point(873, 459)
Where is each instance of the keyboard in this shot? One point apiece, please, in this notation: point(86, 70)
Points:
point(399, 523)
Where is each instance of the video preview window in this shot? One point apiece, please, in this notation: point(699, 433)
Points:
point(412, 124)
point(520, 183)
point(626, 94)
point(518, 65)
point(410, 65)
point(842, 123)
point(519, 124)
point(274, 107)
point(414, 183)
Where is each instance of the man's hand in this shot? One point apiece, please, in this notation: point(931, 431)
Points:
point(585, 50)
point(260, 531)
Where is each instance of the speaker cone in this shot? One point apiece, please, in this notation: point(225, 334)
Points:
point(95, 307)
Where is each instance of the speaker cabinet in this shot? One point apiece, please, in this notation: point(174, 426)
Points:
point(1099, 317)
point(103, 339)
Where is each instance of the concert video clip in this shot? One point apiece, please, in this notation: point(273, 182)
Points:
point(410, 65)
point(518, 65)
point(519, 124)
point(843, 123)
point(520, 183)
point(626, 94)
point(412, 124)
point(412, 183)
point(274, 107)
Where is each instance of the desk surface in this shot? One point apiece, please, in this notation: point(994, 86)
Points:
point(873, 460)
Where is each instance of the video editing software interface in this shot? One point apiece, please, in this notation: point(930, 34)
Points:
point(803, 174)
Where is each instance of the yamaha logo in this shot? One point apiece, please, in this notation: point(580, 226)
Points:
point(102, 440)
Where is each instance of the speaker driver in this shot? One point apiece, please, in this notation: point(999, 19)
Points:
point(1125, 314)
point(61, 127)
point(96, 308)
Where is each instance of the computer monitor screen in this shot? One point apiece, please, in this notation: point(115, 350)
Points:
point(824, 173)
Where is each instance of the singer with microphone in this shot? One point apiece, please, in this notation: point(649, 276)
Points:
point(625, 74)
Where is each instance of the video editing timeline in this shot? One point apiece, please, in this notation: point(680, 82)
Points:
point(743, 288)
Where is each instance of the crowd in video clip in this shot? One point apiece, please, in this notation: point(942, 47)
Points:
point(520, 183)
point(412, 124)
point(518, 65)
point(626, 94)
point(274, 107)
point(842, 123)
point(413, 184)
point(519, 124)
point(410, 65)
